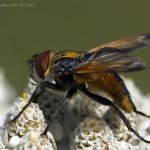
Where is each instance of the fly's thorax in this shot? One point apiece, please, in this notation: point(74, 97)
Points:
point(63, 68)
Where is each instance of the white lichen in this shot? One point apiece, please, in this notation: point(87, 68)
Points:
point(26, 132)
point(5, 88)
point(118, 127)
point(31, 140)
point(123, 138)
point(34, 140)
point(95, 134)
point(91, 133)
point(2, 146)
point(7, 96)
point(87, 124)
point(84, 106)
point(31, 119)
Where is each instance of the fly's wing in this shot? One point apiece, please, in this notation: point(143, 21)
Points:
point(113, 56)
point(108, 60)
point(127, 44)
point(116, 64)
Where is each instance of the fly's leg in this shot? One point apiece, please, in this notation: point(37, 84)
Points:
point(38, 91)
point(35, 95)
point(138, 112)
point(107, 102)
point(125, 90)
point(141, 113)
point(71, 92)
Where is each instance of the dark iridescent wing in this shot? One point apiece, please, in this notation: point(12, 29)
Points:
point(126, 44)
point(114, 58)
point(111, 63)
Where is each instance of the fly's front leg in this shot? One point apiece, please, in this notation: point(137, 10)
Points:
point(38, 91)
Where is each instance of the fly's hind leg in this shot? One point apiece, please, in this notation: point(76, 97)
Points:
point(126, 94)
point(107, 102)
point(139, 112)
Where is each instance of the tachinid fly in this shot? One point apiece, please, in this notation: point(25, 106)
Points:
point(90, 72)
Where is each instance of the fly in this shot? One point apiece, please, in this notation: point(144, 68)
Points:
point(90, 72)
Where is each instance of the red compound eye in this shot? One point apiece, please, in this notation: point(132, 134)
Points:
point(41, 64)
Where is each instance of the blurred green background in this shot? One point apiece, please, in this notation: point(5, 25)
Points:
point(67, 24)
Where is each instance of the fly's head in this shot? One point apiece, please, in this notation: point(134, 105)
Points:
point(40, 65)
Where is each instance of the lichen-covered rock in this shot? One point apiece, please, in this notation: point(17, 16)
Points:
point(31, 119)
point(91, 133)
point(33, 140)
point(2, 146)
point(118, 127)
point(84, 106)
point(89, 125)
point(25, 132)
point(95, 134)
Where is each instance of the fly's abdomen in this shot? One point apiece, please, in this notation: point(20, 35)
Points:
point(112, 85)
point(116, 88)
